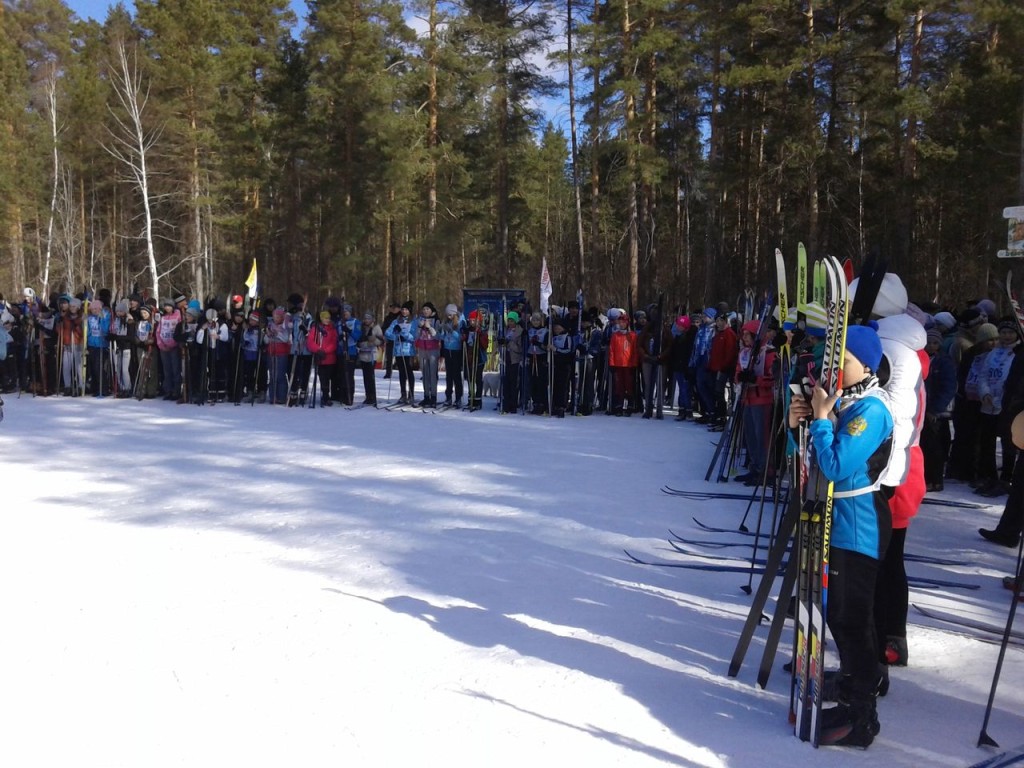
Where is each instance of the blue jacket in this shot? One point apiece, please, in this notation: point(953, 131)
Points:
point(401, 332)
point(451, 335)
point(702, 346)
point(853, 454)
point(349, 333)
point(98, 326)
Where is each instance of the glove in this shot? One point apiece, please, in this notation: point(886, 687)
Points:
point(319, 355)
point(502, 341)
point(747, 377)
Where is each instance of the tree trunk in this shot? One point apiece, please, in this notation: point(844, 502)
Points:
point(574, 145)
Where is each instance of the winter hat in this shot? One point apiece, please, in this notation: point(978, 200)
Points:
point(430, 306)
point(934, 336)
point(194, 305)
point(892, 296)
point(368, 315)
point(76, 303)
point(278, 312)
point(971, 318)
point(122, 306)
point(987, 307)
point(451, 309)
point(1007, 324)
point(613, 313)
point(29, 293)
point(409, 305)
point(536, 317)
point(863, 343)
point(752, 327)
point(255, 315)
point(639, 315)
point(557, 322)
point(817, 319)
point(946, 320)
point(346, 307)
point(711, 312)
point(179, 299)
point(986, 332)
point(325, 316)
point(512, 317)
point(193, 311)
point(473, 315)
point(295, 300)
point(683, 322)
point(146, 309)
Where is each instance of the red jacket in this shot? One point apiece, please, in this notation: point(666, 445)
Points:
point(323, 338)
point(762, 390)
point(622, 349)
point(724, 350)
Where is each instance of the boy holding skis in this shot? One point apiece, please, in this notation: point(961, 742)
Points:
point(852, 452)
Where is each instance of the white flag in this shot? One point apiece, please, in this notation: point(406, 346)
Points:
point(545, 285)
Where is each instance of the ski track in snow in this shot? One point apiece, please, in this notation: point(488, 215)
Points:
point(257, 586)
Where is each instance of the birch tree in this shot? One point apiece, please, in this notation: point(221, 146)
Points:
point(131, 141)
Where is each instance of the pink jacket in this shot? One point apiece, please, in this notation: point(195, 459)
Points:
point(165, 331)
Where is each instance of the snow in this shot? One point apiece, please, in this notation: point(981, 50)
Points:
point(263, 586)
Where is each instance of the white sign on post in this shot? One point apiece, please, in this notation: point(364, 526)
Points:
point(1014, 233)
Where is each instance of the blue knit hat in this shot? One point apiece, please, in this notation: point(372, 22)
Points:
point(711, 312)
point(863, 343)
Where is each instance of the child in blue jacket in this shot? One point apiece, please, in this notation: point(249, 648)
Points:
point(852, 452)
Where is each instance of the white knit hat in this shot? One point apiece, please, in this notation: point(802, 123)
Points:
point(892, 296)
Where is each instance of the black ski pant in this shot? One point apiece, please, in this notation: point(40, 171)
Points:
point(406, 377)
point(452, 373)
point(560, 378)
point(850, 614)
point(1011, 523)
point(510, 388)
point(892, 593)
point(935, 440)
point(369, 382)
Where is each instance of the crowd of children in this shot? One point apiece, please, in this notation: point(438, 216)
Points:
point(928, 396)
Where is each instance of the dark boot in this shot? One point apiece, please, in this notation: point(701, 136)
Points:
point(854, 721)
point(896, 653)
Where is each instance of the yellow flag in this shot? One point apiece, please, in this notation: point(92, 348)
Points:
point(250, 281)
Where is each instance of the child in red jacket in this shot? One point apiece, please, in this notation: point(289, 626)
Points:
point(755, 380)
point(622, 357)
point(322, 342)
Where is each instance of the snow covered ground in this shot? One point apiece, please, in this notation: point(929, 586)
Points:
point(259, 586)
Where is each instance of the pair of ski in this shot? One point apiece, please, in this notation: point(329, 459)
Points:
point(727, 495)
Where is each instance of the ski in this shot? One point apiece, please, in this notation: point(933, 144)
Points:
point(1006, 759)
point(712, 495)
point(713, 567)
point(678, 547)
point(961, 621)
point(926, 583)
point(700, 495)
point(712, 544)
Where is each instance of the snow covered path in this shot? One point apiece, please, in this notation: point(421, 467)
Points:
point(257, 586)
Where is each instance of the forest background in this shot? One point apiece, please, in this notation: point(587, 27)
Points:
point(389, 150)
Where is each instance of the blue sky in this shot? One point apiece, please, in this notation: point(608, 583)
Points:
point(97, 9)
point(554, 109)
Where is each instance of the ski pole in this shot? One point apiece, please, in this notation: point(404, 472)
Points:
point(983, 738)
